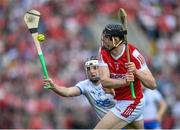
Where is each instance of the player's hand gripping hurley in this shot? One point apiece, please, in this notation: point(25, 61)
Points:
point(31, 19)
point(123, 19)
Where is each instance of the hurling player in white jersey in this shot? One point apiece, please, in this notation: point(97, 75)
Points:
point(100, 99)
point(155, 107)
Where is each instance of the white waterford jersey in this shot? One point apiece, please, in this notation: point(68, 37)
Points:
point(99, 100)
point(152, 99)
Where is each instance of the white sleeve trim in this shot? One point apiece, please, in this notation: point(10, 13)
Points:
point(81, 85)
point(144, 67)
point(140, 59)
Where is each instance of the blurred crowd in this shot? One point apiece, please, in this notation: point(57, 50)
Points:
point(23, 101)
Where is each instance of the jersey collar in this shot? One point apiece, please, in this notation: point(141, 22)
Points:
point(117, 57)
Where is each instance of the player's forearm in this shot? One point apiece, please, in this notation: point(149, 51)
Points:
point(161, 112)
point(60, 90)
point(162, 108)
point(147, 79)
point(113, 83)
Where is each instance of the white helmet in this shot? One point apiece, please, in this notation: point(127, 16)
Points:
point(92, 63)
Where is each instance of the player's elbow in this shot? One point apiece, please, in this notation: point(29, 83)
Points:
point(153, 85)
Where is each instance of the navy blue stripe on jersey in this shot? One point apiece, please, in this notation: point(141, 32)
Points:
point(79, 89)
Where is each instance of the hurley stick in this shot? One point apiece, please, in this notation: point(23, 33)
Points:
point(31, 19)
point(123, 19)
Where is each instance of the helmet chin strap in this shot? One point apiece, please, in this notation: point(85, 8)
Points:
point(115, 45)
point(95, 80)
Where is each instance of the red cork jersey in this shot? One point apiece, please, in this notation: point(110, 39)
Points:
point(117, 70)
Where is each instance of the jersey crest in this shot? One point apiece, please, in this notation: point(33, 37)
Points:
point(101, 99)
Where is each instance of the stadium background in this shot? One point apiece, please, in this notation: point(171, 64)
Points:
point(73, 30)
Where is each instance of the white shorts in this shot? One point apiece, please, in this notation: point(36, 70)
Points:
point(129, 110)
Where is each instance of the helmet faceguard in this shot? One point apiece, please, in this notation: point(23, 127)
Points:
point(91, 67)
point(112, 36)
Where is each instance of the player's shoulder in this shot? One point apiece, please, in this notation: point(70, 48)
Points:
point(83, 84)
point(152, 92)
point(103, 55)
point(102, 51)
point(132, 46)
point(85, 81)
point(134, 50)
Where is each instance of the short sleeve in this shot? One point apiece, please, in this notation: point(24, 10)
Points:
point(157, 95)
point(81, 86)
point(139, 60)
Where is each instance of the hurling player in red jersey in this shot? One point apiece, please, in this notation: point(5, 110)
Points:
point(114, 71)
